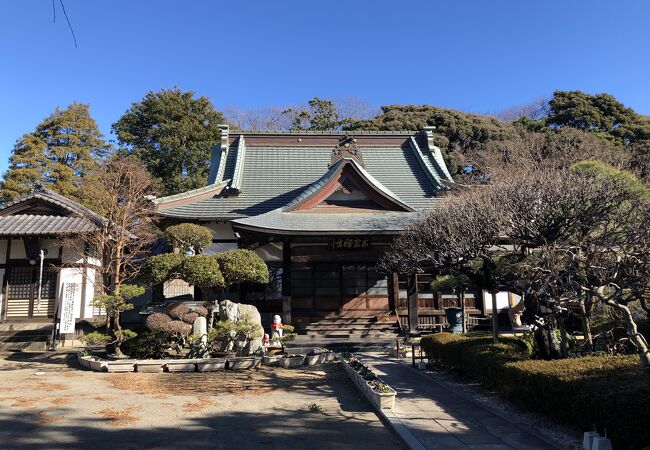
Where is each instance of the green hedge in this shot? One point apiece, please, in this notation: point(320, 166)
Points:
point(611, 392)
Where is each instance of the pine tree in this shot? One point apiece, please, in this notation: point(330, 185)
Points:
point(60, 153)
point(172, 133)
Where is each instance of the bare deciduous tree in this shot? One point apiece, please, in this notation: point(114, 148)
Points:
point(535, 110)
point(573, 238)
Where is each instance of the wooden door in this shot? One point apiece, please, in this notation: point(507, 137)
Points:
point(22, 293)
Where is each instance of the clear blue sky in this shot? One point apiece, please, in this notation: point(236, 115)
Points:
point(479, 56)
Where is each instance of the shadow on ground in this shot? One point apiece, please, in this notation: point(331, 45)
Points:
point(280, 430)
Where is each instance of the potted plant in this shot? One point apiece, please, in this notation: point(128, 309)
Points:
point(272, 360)
point(291, 360)
point(318, 356)
point(244, 362)
point(119, 365)
point(180, 365)
point(148, 365)
point(211, 364)
point(381, 394)
point(243, 332)
point(93, 340)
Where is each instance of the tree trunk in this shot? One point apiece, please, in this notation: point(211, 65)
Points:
point(118, 339)
point(637, 338)
point(564, 338)
point(586, 326)
point(462, 307)
point(547, 344)
point(213, 304)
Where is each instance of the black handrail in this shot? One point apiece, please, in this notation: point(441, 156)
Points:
point(54, 328)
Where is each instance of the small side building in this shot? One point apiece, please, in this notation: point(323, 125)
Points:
point(35, 251)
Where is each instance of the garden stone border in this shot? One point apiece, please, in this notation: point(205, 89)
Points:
point(200, 364)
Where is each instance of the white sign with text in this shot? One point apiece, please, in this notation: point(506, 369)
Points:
point(71, 292)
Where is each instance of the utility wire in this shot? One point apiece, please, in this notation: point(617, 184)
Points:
point(69, 24)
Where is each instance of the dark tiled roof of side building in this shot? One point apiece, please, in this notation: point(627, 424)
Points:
point(42, 212)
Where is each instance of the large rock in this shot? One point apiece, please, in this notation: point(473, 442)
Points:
point(237, 312)
point(228, 310)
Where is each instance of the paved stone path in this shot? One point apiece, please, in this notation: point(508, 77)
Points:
point(429, 416)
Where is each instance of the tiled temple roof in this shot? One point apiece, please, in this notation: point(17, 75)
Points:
point(265, 171)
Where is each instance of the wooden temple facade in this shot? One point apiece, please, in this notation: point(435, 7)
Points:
point(320, 208)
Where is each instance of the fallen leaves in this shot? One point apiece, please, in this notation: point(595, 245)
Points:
point(119, 417)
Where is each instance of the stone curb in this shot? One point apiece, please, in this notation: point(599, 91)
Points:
point(389, 418)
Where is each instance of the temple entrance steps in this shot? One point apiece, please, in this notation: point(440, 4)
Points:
point(25, 336)
point(304, 344)
point(355, 328)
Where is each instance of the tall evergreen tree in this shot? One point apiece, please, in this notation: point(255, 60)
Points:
point(172, 133)
point(60, 153)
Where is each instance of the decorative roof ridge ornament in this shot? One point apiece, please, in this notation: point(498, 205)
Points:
point(219, 156)
point(347, 148)
point(435, 151)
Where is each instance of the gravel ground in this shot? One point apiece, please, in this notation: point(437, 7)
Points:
point(564, 436)
point(47, 402)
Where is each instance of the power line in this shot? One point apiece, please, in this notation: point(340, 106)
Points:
point(66, 18)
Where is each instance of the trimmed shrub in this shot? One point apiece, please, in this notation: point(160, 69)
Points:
point(147, 345)
point(202, 271)
point(239, 266)
point(161, 268)
point(156, 321)
point(95, 339)
point(611, 392)
point(190, 317)
point(186, 236)
point(177, 310)
point(177, 326)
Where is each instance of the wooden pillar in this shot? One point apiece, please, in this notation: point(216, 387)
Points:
point(412, 292)
point(393, 291)
point(286, 282)
point(495, 319)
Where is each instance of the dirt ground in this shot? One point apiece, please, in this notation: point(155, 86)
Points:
point(47, 402)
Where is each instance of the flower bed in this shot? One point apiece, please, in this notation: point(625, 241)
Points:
point(371, 386)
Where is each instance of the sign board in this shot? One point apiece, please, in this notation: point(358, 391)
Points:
point(337, 243)
point(71, 292)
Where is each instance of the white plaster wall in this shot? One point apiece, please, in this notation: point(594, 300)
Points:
point(221, 230)
point(3, 251)
point(270, 252)
point(52, 246)
point(502, 301)
point(17, 249)
point(73, 255)
point(219, 247)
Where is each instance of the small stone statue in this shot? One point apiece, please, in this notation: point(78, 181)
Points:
point(276, 329)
